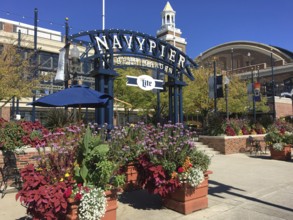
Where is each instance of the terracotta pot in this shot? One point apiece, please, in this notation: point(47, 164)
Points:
point(284, 154)
point(187, 199)
point(111, 208)
point(131, 178)
point(72, 209)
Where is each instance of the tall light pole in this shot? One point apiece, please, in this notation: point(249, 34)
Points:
point(103, 14)
point(273, 85)
point(226, 82)
point(253, 97)
point(215, 86)
point(252, 88)
point(232, 60)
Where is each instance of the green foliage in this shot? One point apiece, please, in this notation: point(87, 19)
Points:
point(95, 167)
point(11, 134)
point(196, 96)
point(214, 125)
point(144, 101)
point(126, 143)
point(200, 159)
point(16, 73)
point(58, 118)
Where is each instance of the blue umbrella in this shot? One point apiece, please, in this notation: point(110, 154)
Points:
point(76, 96)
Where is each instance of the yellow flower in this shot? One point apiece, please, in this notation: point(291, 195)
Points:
point(61, 180)
point(67, 174)
point(76, 164)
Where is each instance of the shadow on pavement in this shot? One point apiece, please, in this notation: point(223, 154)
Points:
point(141, 199)
point(218, 189)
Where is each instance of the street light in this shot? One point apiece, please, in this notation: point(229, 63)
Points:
point(253, 97)
point(226, 82)
point(273, 85)
point(75, 62)
point(252, 89)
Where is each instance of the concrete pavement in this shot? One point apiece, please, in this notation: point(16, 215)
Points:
point(241, 187)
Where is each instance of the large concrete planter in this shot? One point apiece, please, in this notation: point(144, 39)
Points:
point(230, 144)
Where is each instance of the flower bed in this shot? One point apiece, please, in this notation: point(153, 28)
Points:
point(230, 144)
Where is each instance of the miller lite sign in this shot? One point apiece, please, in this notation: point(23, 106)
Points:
point(144, 82)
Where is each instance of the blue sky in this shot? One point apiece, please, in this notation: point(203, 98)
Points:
point(204, 24)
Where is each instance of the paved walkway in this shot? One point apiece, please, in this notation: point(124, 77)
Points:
point(241, 187)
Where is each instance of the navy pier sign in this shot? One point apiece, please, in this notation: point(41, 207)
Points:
point(115, 48)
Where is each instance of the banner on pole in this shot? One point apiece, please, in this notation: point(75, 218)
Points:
point(219, 81)
point(256, 87)
point(60, 75)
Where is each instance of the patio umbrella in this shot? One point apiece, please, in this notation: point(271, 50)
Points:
point(76, 96)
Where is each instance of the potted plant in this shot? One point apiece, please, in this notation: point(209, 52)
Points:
point(44, 184)
point(95, 169)
point(172, 163)
point(279, 139)
point(125, 146)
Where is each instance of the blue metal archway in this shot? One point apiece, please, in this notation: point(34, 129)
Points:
point(114, 48)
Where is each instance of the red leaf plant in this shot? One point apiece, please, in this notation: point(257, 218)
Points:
point(154, 178)
point(44, 200)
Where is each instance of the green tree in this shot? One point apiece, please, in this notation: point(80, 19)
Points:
point(17, 77)
point(144, 101)
point(196, 96)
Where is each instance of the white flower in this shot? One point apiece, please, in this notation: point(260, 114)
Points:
point(278, 146)
point(193, 176)
point(93, 205)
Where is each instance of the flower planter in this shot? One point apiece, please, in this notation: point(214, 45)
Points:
point(187, 199)
point(284, 154)
point(131, 178)
point(72, 209)
point(111, 208)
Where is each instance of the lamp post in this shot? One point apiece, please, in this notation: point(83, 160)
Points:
point(252, 88)
point(215, 86)
point(75, 62)
point(253, 97)
point(273, 85)
point(258, 78)
point(226, 82)
point(232, 61)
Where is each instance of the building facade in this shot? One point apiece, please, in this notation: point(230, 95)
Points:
point(270, 65)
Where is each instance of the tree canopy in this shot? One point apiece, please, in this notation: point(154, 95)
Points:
point(196, 95)
point(17, 73)
point(144, 101)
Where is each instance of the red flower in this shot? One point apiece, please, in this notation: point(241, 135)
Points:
point(180, 170)
point(68, 192)
point(78, 197)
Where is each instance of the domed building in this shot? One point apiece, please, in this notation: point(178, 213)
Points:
point(269, 65)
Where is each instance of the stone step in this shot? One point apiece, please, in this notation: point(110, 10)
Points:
point(206, 149)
